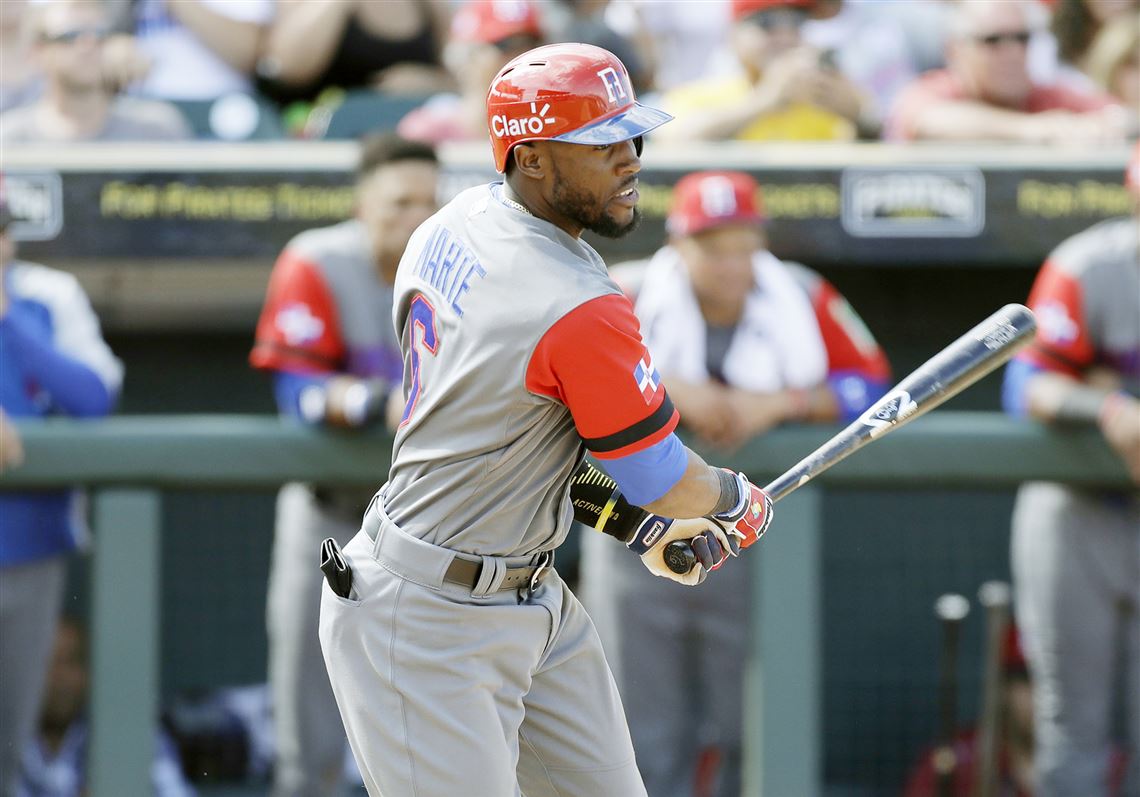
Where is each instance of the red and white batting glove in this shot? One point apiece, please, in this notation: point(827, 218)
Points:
point(750, 518)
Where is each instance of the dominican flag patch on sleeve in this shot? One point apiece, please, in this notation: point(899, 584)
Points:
point(647, 378)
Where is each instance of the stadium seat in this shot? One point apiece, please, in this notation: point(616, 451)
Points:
point(232, 117)
point(362, 112)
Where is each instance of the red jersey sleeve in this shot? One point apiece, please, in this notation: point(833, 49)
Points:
point(593, 361)
point(298, 329)
point(1063, 343)
point(850, 345)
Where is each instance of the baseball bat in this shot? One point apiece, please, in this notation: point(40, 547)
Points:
point(951, 609)
point(978, 352)
point(994, 596)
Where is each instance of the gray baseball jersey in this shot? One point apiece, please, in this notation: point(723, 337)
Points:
point(519, 349)
point(1076, 553)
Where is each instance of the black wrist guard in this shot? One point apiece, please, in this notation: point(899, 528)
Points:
point(730, 493)
point(599, 504)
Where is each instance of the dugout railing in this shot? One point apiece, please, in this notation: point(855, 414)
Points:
point(129, 462)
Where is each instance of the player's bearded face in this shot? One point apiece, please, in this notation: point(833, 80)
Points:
point(590, 209)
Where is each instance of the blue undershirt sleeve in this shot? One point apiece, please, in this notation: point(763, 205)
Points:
point(648, 474)
point(1017, 375)
point(287, 387)
point(854, 392)
point(73, 386)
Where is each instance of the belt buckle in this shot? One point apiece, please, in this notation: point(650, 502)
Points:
point(538, 574)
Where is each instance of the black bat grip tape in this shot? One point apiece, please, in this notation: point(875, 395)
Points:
point(679, 557)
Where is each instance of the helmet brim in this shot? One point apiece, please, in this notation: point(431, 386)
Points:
point(637, 120)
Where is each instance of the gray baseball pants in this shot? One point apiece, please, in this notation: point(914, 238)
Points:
point(30, 598)
point(1076, 571)
point(678, 655)
point(447, 690)
point(309, 733)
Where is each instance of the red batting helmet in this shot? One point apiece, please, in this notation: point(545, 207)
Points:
point(576, 93)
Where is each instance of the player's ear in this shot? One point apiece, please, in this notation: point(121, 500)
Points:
point(530, 160)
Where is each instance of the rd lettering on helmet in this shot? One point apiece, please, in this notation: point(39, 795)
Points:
point(533, 125)
point(615, 86)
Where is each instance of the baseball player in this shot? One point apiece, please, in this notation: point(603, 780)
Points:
point(460, 661)
point(1076, 552)
point(744, 342)
point(326, 335)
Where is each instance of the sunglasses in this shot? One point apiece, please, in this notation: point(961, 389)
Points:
point(1020, 37)
point(75, 34)
point(773, 18)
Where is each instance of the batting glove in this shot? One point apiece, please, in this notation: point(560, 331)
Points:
point(750, 518)
point(709, 541)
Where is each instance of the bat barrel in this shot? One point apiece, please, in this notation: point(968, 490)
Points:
point(980, 351)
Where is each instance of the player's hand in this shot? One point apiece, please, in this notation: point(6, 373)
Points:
point(708, 411)
point(711, 544)
point(123, 62)
point(761, 412)
point(1120, 424)
point(748, 521)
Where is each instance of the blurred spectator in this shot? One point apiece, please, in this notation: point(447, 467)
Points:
point(1113, 61)
point(1015, 742)
point(744, 342)
point(392, 47)
point(1076, 24)
point(585, 21)
point(871, 50)
point(326, 332)
point(197, 49)
point(20, 80)
point(1075, 552)
point(55, 761)
point(986, 92)
point(67, 44)
point(924, 25)
point(485, 35)
point(677, 42)
point(788, 91)
point(52, 360)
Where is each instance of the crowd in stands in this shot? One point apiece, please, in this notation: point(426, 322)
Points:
point(753, 70)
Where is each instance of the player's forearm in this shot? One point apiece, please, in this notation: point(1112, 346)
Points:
point(701, 490)
point(1055, 398)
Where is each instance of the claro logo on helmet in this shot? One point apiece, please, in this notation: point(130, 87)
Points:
point(503, 125)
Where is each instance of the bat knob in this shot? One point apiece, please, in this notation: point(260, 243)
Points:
point(952, 607)
point(679, 557)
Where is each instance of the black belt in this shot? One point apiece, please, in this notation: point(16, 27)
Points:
point(466, 573)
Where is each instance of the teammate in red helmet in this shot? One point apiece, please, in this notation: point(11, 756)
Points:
point(460, 661)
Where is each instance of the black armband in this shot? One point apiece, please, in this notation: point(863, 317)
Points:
point(599, 504)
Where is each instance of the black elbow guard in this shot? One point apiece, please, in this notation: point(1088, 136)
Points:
point(599, 504)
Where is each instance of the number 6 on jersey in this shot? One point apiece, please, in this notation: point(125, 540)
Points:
point(422, 319)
